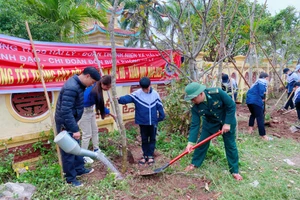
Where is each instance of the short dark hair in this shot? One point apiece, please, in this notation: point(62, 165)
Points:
point(225, 78)
point(263, 75)
point(286, 70)
point(93, 72)
point(145, 82)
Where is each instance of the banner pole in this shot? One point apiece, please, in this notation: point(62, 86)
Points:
point(46, 96)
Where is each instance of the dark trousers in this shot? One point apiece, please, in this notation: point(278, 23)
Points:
point(297, 104)
point(148, 134)
point(231, 150)
point(73, 165)
point(257, 113)
point(235, 96)
point(290, 102)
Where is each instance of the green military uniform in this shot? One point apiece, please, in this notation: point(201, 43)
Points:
point(215, 111)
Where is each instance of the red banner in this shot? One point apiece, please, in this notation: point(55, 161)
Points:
point(19, 71)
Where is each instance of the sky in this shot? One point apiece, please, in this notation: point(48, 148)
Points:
point(274, 6)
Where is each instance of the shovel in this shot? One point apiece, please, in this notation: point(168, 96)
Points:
point(161, 169)
point(286, 101)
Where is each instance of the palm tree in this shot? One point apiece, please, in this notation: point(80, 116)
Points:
point(69, 15)
point(141, 14)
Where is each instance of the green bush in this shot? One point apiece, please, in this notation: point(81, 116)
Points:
point(6, 171)
point(177, 110)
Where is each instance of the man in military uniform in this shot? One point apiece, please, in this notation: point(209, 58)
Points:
point(217, 111)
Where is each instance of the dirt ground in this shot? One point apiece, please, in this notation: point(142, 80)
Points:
point(159, 186)
point(278, 126)
point(179, 184)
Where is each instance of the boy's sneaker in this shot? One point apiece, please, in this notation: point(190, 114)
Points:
point(88, 160)
point(76, 183)
point(86, 171)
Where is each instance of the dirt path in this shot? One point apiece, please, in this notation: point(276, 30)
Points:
point(279, 124)
point(178, 185)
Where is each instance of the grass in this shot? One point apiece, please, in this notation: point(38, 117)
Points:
point(259, 161)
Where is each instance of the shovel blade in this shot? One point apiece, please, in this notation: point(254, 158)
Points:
point(156, 171)
point(147, 173)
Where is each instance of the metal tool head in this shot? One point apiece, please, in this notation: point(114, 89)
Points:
point(155, 171)
point(147, 173)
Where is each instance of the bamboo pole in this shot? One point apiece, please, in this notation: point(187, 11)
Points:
point(286, 112)
point(46, 96)
point(232, 61)
point(264, 52)
point(274, 106)
point(114, 91)
point(288, 99)
point(269, 61)
point(245, 62)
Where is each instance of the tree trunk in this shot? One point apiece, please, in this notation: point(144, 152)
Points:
point(252, 53)
point(114, 90)
point(276, 79)
point(193, 69)
point(222, 40)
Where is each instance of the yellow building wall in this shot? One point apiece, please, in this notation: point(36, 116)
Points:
point(16, 130)
point(243, 67)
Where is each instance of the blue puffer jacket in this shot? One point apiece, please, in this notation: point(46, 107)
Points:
point(90, 98)
point(146, 106)
point(69, 106)
point(256, 93)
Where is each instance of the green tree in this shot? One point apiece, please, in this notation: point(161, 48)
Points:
point(14, 13)
point(69, 16)
point(281, 35)
point(141, 15)
point(237, 30)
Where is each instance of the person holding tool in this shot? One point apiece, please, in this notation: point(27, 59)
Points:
point(93, 97)
point(291, 78)
point(69, 109)
point(216, 110)
point(255, 99)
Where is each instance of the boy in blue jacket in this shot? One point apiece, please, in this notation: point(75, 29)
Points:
point(147, 105)
point(255, 101)
point(291, 78)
